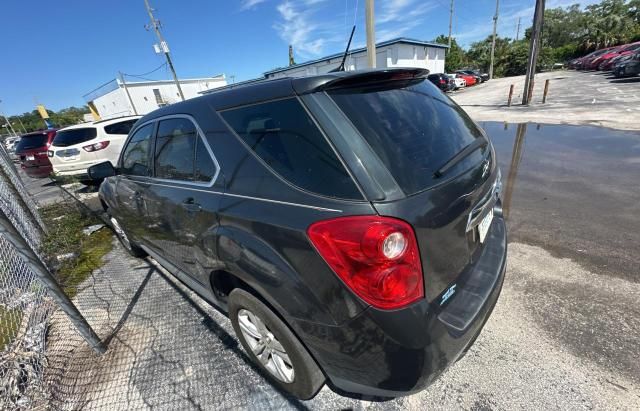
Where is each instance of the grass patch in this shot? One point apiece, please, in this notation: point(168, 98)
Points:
point(65, 223)
point(9, 325)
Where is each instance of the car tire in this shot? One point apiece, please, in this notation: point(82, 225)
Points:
point(131, 247)
point(306, 378)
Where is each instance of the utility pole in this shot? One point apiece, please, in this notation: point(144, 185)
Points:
point(21, 125)
point(518, 30)
point(126, 90)
point(534, 48)
point(493, 40)
point(450, 25)
point(155, 24)
point(371, 35)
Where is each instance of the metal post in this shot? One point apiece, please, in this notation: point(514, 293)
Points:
point(493, 40)
point(534, 45)
point(518, 30)
point(510, 96)
point(371, 35)
point(450, 25)
point(155, 24)
point(546, 90)
point(126, 90)
point(24, 251)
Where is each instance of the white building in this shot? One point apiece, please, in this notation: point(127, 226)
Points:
point(110, 100)
point(400, 52)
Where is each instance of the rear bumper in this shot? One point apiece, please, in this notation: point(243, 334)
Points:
point(395, 353)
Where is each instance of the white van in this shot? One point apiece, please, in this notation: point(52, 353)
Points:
point(76, 148)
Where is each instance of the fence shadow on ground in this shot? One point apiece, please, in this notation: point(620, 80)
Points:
point(168, 349)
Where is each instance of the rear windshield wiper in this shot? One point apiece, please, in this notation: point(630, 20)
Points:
point(478, 143)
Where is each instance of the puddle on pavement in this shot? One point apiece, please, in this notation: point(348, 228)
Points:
point(574, 190)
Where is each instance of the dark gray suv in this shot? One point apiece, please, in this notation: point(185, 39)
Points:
point(349, 224)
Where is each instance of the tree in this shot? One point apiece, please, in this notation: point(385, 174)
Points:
point(65, 117)
point(456, 56)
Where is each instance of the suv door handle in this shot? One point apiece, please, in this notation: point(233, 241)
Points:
point(191, 206)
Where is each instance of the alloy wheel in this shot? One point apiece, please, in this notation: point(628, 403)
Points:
point(266, 346)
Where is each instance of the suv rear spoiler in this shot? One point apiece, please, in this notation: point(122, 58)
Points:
point(305, 85)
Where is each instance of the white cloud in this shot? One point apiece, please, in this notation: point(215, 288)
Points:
point(298, 27)
point(250, 4)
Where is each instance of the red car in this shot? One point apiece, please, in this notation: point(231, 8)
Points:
point(610, 52)
point(32, 150)
point(607, 62)
point(471, 80)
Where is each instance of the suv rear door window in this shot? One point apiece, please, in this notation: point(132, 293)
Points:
point(136, 156)
point(32, 141)
point(205, 167)
point(121, 127)
point(412, 127)
point(284, 137)
point(175, 149)
point(73, 136)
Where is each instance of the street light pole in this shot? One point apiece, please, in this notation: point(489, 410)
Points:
point(155, 24)
point(450, 25)
point(371, 34)
point(8, 123)
point(493, 40)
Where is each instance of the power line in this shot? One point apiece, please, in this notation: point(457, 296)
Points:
point(148, 72)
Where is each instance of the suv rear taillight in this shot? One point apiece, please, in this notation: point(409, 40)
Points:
point(96, 146)
point(376, 257)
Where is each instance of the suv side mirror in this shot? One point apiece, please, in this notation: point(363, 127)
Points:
point(101, 171)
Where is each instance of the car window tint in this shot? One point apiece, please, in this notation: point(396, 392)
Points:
point(136, 159)
point(175, 148)
point(412, 127)
point(205, 167)
point(65, 138)
point(282, 134)
point(31, 141)
point(122, 127)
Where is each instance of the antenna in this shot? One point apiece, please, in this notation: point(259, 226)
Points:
point(344, 57)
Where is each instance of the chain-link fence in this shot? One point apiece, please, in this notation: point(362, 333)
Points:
point(25, 305)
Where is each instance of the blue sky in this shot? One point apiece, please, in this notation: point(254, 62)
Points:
point(54, 52)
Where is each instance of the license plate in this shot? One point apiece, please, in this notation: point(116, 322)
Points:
point(484, 225)
point(31, 158)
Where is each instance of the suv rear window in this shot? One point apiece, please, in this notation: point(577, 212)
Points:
point(283, 136)
point(412, 127)
point(32, 141)
point(73, 136)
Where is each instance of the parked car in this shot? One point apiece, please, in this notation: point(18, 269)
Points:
point(10, 143)
point(629, 67)
point(441, 81)
point(32, 151)
point(607, 60)
point(458, 81)
point(349, 223)
point(469, 79)
point(479, 75)
point(582, 63)
point(78, 147)
point(594, 63)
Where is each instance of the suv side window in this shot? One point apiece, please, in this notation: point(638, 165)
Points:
point(284, 137)
point(175, 149)
point(122, 127)
point(136, 159)
point(205, 167)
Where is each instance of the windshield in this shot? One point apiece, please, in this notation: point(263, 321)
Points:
point(29, 142)
point(74, 136)
point(412, 127)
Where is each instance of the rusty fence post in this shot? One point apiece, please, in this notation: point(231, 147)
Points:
point(510, 96)
point(546, 90)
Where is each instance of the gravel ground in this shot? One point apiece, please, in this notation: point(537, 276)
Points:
point(582, 98)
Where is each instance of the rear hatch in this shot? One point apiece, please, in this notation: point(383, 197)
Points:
point(67, 153)
point(418, 134)
point(32, 149)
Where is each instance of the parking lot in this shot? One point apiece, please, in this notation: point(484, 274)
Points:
point(564, 334)
point(574, 97)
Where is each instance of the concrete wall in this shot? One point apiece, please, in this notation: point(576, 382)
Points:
point(115, 103)
point(394, 55)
